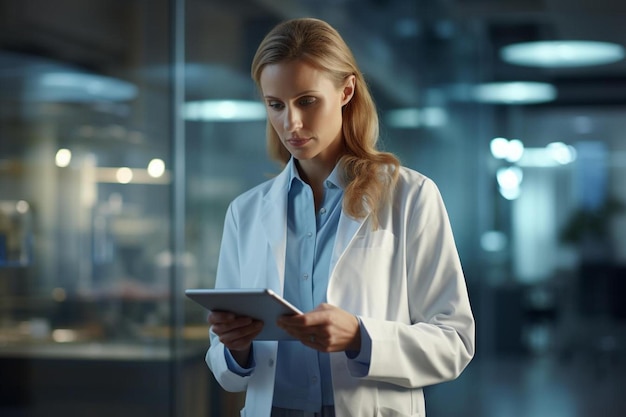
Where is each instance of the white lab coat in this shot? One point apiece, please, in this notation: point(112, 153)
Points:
point(404, 280)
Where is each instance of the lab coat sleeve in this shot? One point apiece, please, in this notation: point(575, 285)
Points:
point(438, 343)
point(227, 277)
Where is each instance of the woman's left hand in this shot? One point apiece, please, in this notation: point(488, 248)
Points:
point(327, 329)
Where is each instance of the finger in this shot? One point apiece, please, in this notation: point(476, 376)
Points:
point(308, 335)
point(233, 325)
point(220, 317)
point(320, 344)
point(241, 337)
point(302, 321)
point(292, 321)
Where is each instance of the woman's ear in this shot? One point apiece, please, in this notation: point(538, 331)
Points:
point(348, 90)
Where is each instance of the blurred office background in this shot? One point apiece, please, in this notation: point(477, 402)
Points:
point(126, 127)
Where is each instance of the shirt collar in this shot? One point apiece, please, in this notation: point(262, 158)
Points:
point(293, 173)
point(334, 179)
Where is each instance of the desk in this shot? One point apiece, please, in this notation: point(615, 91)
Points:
point(103, 379)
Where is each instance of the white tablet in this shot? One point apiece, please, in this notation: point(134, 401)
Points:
point(261, 304)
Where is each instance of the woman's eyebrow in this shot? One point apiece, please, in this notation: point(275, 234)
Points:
point(302, 93)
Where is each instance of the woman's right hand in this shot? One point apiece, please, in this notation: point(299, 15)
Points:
point(235, 332)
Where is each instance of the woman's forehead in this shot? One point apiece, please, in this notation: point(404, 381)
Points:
point(289, 76)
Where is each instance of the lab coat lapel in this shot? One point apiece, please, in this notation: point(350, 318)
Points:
point(274, 221)
point(346, 231)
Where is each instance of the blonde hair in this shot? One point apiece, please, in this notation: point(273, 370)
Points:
point(370, 174)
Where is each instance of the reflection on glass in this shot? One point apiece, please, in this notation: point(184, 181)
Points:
point(16, 233)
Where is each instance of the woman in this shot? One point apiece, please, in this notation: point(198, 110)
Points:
point(360, 244)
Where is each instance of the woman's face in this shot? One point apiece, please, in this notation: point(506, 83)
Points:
point(304, 107)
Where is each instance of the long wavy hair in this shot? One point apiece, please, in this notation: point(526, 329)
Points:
point(370, 174)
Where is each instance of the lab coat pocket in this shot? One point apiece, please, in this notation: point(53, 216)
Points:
point(371, 255)
point(389, 412)
point(371, 262)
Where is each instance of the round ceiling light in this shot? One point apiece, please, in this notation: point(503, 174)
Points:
point(555, 54)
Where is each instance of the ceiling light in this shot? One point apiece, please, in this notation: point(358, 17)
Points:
point(404, 118)
point(561, 153)
point(514, 92)
point(515, 150)
point(499, 147)
point(509, 177)
point(554, 54)
point(412, 117)
point(552, 155)
point(156, 168)
point(124, 175)
point(511, 150)
point(31, 78)
point(434, 116)
point(224, 110)
point(493, 241)
point(63, 157)
point(72, 86)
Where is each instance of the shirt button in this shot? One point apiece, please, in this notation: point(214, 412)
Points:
point(309, 234)
point(305, 276)
point(322, 210)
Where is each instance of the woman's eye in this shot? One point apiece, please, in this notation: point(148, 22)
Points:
point(307, 101)
point(275, 105)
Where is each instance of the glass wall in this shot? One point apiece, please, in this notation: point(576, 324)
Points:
point(86, 213)
point(126, 128)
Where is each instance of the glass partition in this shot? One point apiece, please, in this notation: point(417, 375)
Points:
point(86, 214)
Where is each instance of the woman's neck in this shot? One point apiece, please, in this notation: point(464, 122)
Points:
point(315, 174)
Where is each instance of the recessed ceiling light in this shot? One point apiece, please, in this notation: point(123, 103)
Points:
point(514, 92)
point(404, 118)
point(69, 86)
point(412, 117)
point(224, 110)
point(554, 54)
point(35, 79)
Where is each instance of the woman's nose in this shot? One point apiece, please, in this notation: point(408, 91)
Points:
point(293, 120)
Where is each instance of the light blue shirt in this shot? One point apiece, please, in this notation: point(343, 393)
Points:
point(303, 378)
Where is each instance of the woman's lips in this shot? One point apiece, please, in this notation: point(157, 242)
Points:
point(298, 142)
